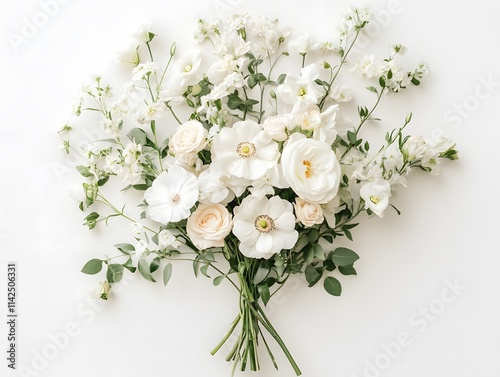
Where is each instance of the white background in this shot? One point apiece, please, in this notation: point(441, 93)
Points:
point(447, 233)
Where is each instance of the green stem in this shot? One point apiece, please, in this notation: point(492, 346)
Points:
point(269, 327)
point(173, 113)
point(118, 212)
point(231, 329)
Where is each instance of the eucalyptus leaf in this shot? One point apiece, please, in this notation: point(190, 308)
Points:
point(167, 273)
point(218, 280)
point(125, 248)
point(312, 275)
point(343, 256)
point(347, 270)
point(155, 264)
point(143, 267)
point(332, 286)
point(114, 273)
point(92, 267)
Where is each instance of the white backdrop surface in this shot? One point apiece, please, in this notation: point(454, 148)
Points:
point(425, 301)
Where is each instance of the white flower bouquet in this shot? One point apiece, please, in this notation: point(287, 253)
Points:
point(247, 171)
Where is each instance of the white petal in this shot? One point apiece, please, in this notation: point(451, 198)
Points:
point(264, 243)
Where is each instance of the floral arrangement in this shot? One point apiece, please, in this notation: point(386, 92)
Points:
point(249, 172)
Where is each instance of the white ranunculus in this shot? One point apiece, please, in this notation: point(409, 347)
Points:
point(275, 127)
point(172, 195)
point(376, 195)
point(212, 187)
point(264, 226)
point(209, 225)
point(308, 214)
point(311, 168)
point(244, 150)
point(189, 138)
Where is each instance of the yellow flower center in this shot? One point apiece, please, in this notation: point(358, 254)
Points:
point(246, 149)
point(302, 92)
point(308, 172)
point(264, 224)
point(374, 199)
point(188, 68)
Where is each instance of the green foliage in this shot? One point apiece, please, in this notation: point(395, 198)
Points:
point(92, 267)
point(332, 286)
point(114, 273)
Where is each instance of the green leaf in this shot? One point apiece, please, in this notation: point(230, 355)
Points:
point(372, 89)
point(129, 265)
point(155, 264)
point(92, 267)
point(84, 170)
point(329, 265)
point(332, 286)
point(343, 256)
point(218, 280)
point(264, 293)
point(351, 136)
point(138, 135)
point(252, 81)
point(381, 81)
point(91, 220)
point(308, 254)
point(125, 248)
point(262, 272)
point(141, 186)
point(319, 253)
point(312, 275)
point(328, 238)
point(281, 78)
point(114, 273)
point(143, 267)
point(415, 82)
point(204, 270)
point(167, 273)
point(313, 235)
point(102, 181)
point(347, 270)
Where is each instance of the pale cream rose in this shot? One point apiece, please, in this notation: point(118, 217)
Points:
point(307, 213)
point(190, 138)
point(209, 225)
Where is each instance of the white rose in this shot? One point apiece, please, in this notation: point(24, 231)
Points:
point(209, 225)
point(311, 168)
point(376, 195)
point(275, 127)
point(307, 213)
point(190, 137)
